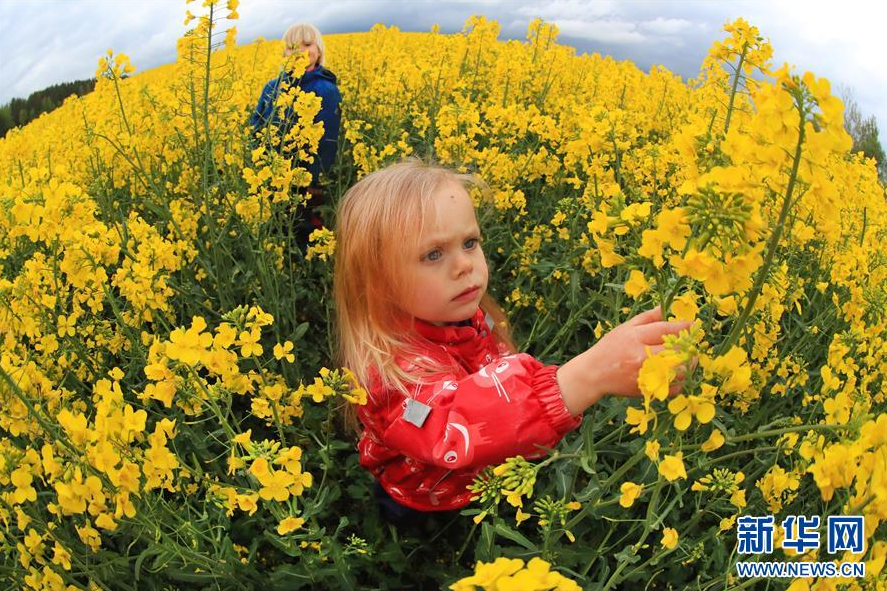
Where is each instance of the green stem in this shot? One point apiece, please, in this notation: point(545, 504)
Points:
point(326, 444)
point(774, 240)
point(278, 423)
point(567, 327)
point(628, 465)
point(774, 432)
point(207, 147)
point(735, 86)
point(743, 452)
point(762, 435)
point(467, 540)
point(558, 456)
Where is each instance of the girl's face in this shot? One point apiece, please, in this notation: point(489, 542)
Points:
point(309, 46)
point(448, 268)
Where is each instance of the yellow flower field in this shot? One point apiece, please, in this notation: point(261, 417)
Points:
point(169, 403)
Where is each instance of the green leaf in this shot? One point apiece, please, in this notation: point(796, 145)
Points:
point(288, 577)
point(299, 332)
point(591, 491)
point(141, 558)
point(180, 575)
point(574, 290)
point(484, 549)
point(628, 555)
point(286, 545)
point(590, 453)
point(507, 532)
point(357, 491)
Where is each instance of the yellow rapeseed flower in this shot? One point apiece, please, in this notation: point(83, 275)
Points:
point(672, 467)
point(630, 492)
point(669, 538)
point(636, 284)
point(651, 450)
point(290, 524)
point(284, 351)
point(685, 407)
point(657, 372)
point(249, 343)
point(638, 417)
point(714, 441)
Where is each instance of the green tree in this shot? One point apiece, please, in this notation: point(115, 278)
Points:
point(864, 131)
point(5, 120)
point(22, 111)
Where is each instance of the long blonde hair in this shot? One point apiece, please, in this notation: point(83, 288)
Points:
point(379, 222)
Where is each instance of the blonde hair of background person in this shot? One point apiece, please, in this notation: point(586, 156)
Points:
point(302, 37)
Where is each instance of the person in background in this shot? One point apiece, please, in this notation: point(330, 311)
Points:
point(318, 80)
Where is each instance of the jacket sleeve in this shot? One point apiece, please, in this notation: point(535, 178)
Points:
point(507, 408)
point(330, 114)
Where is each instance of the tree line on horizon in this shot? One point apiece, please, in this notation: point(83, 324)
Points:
point(19, 112)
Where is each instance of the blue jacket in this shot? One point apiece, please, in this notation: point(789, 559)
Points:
point(321, 82)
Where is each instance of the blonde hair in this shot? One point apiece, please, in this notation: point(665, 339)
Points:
point(304, 33)
point(379, 223)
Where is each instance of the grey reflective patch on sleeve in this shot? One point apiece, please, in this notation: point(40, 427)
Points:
point(490, 322)
point(416, 412)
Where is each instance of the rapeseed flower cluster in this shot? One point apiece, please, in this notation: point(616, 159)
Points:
point(511, 574)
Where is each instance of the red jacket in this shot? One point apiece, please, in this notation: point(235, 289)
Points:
point(496, 405)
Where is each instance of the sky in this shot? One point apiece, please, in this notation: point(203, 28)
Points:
point(43, 42)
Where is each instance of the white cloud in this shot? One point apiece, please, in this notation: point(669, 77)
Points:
point(44, 42)
point(843, 42)
point(571, 10)
point(665, 26)
point(602, 31)
point(52, 42)
point(619, 31)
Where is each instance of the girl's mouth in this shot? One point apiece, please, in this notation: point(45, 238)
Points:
point(466, 295)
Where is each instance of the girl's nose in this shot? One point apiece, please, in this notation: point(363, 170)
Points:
point(464, 264)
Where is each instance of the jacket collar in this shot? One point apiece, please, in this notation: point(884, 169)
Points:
point(454, 334)
point(317, 73)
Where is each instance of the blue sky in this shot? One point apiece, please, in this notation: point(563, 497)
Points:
point(43, 42)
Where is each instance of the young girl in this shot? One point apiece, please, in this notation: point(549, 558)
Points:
point(448, 396)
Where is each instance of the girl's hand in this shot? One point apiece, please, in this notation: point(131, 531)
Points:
point(611, 366)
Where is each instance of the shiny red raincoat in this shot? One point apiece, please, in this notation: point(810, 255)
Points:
point(426, 450)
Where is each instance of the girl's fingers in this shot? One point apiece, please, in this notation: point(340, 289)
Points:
point(654, 349)
point(652, 333)
point(646, 317)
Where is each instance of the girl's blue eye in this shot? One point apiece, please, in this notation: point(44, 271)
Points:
point(433, 255)
point(470, 243)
